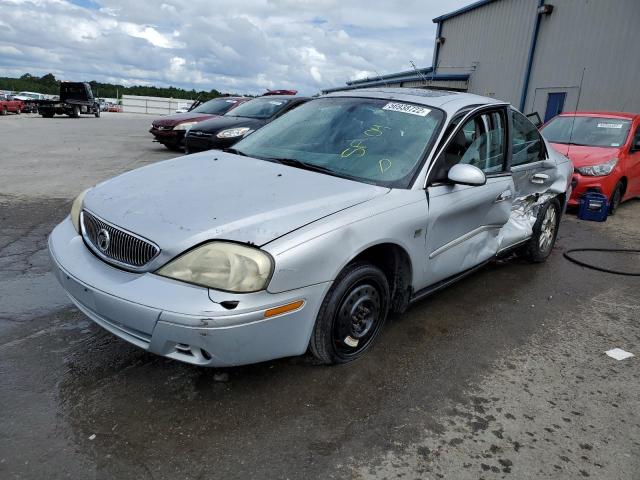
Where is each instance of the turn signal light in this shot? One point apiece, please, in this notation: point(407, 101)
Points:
point(289, 307)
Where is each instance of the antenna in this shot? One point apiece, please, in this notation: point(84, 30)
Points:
point(424, 79)
point(573, 122)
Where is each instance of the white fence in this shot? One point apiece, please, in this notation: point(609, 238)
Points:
point(153, 105)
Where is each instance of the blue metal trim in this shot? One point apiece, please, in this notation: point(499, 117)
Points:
point(462, 10)
point(436, 48)
point(409, 78)
point(532, 50)
point(390, 76)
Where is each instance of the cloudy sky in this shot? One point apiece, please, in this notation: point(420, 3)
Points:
point(242, 46)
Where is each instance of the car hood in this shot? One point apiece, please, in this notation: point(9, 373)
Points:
point(582, 156)
point(173, 120)
point(183, 202)
point(214, 125)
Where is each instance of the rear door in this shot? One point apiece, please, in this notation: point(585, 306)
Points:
point(533, 172)
point(464, 221)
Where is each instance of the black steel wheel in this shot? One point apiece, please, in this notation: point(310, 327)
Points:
point(616, 198)
point(352, 314)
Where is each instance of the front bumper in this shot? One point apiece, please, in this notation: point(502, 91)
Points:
point(174, 138)
point(178, 320)
point(585, 184)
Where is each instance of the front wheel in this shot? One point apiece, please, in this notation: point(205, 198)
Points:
point(616, 198)
point(3, 111)
point(352, 314)
point(545, 231)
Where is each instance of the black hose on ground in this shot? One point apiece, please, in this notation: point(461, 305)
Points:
point(595, 267)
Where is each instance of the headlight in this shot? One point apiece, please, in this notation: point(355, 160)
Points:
point(76, 207)
point(233, 132)
point(184, 126)
point(223, 266)
point(599, 170)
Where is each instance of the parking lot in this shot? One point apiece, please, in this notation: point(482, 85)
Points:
point(502, 375)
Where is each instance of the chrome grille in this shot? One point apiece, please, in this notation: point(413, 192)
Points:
point(121, 247)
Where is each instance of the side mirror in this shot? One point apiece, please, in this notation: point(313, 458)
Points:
point(465, 174)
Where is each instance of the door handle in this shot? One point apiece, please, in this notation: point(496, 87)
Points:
point(539, 178)
point(506, 195)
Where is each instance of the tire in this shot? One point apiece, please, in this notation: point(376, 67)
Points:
point(96, 111)
point(351, 315)
point(18, 112)
point(47, 115)
point(616, 198)
point(3, 111)
point(75, 113)
point(545, 231)
point(173, 148)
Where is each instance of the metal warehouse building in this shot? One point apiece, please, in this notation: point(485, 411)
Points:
point(542, 56)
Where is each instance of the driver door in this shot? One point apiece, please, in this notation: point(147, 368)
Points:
point(464, 221)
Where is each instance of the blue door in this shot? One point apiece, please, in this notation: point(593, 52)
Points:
point(555, 104)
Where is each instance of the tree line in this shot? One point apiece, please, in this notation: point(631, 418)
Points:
point(48, 84)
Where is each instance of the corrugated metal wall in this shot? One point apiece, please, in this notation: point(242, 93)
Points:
point(153, 105)
point(599, 36)
point(492, 42)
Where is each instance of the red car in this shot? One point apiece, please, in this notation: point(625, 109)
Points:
point(8, 105)
point(170, 130)
point(605, 150)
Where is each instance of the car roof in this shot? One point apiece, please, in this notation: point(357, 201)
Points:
point(444, 99)
point(281, 97)
point(625, 115)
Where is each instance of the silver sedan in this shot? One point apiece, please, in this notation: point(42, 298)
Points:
point(309, 231)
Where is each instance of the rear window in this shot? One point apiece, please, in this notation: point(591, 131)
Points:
point(587, 131)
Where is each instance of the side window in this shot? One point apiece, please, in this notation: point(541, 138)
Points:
point(480, 142)
point(526, 142)
point(635, 141)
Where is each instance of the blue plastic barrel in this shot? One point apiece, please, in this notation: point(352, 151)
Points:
point(593, 207)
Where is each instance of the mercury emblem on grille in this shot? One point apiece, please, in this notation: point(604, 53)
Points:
point(103, 240)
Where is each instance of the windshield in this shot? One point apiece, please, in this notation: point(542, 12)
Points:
point(217, 106)
point(370, 140)
point(259, 108)
point(588, 131)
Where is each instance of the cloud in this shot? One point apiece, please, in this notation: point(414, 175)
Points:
point(227, 45)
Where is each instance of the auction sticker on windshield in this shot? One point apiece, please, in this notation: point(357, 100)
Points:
point(610, 125)
point(407, 108)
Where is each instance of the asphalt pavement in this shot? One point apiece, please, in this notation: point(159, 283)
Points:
point(502, 375)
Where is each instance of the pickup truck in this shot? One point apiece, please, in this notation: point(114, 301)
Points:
point(8, 105)
point(75, 98)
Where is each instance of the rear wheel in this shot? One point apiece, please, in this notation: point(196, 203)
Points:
point(47, 115)
point(75, 113)
point(4, 111)
point(545, 231)
point(18, 111)
point(616, 198)
point(352, 314)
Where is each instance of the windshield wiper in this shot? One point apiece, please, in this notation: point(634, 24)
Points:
point(235, 151)
point(292, 162)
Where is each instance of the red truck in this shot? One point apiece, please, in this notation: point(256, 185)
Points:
point(7, 105)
